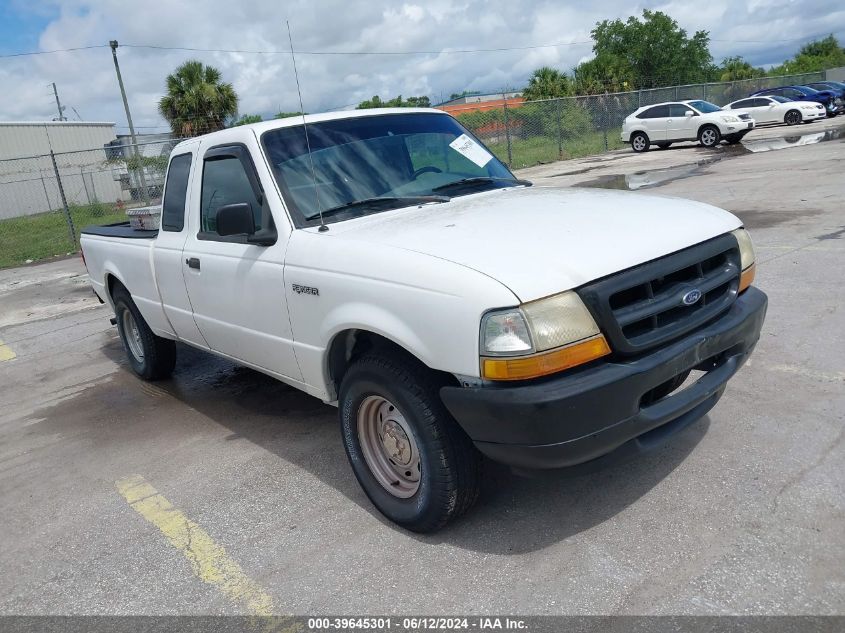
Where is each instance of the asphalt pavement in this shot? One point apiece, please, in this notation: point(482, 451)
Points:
point(123, 497)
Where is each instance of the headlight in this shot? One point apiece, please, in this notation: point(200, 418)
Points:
point(729, 119)
point(559, 320)
point(539, 338)
point(746, 257)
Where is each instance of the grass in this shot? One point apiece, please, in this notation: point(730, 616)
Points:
point(44, 235)
point(537, 150)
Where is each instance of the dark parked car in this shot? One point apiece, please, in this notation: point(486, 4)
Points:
point(802, 93)
point(835, 86)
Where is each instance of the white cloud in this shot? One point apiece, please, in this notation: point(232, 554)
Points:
point(265, 83)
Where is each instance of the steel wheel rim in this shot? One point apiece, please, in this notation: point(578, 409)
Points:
point(639, 142)
point(708, 137)
point(389, 447)
point(132, 336)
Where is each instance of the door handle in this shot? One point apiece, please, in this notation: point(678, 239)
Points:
point(193, 262)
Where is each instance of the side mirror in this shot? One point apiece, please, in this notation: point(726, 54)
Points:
point(235, 219)
point(689, 113)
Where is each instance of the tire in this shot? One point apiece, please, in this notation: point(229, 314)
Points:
point(793, 117)
point(663, 145)
point(640, 142)
point(709, 136)
point(150, 356)
point(390, 411)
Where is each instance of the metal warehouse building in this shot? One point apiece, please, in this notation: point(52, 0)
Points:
point(28, 182)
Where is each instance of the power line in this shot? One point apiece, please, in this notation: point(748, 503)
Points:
point(279, 52)
point(57, 50)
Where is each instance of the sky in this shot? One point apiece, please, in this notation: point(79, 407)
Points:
point(765, 32)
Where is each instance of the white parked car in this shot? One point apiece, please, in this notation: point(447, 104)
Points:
point(665, 123)
point(777, 109)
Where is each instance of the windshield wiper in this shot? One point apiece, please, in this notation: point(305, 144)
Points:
point(380, 202)
point(480, 180)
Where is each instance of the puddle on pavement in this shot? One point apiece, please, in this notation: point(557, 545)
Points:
point(656, 177)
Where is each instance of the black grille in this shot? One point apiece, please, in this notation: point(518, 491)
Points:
point(644, 306)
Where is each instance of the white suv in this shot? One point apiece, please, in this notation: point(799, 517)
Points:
point(667, 123)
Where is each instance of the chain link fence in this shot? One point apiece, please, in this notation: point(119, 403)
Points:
point(527, 133)
point(45, 200)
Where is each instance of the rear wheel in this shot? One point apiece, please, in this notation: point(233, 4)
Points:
point(639, 142)
point(793, 117)
point(411, 458)
point(709, 136)
point(150, 356)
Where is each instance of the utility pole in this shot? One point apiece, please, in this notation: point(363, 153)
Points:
point(62, 117)
point(146, 194)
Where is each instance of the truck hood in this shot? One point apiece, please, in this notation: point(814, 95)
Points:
point(538, 241)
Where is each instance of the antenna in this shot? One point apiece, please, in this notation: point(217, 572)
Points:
point(323, 227)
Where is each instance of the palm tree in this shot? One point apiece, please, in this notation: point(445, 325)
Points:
point(547, 83)
point(197, 102)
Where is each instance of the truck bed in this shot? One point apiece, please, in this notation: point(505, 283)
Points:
point(119, 229)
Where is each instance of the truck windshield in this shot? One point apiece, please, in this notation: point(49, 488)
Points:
point(369, 164)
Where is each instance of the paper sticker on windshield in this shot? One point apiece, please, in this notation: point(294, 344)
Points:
point(472, 150)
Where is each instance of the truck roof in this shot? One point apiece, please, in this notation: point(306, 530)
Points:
point(263, 126)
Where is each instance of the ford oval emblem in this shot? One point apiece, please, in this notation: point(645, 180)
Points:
point(691, 297)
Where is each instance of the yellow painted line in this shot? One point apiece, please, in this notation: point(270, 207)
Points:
point(6, 352)
point(209, 561)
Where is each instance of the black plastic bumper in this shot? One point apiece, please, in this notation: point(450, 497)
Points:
point(580, 416)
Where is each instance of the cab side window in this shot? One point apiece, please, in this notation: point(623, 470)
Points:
point(175, 194)
point(657, 112)
point(678, 110)
point(225, 181)
point(746, 103)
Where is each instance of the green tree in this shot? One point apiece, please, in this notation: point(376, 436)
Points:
point(246, 119)
point(813, 57)
point(464, 93)
point(285, 115)
point(648, 52)
point(736, 68)
point(396, 102)
point(547, 83)
point(197, 101)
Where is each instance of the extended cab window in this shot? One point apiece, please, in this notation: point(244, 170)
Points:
point(225, 181)
point(175, 191)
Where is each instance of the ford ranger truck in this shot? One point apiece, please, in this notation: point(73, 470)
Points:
point(387, 263)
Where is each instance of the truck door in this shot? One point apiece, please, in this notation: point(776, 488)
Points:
point(167, 251)
point(237, 288)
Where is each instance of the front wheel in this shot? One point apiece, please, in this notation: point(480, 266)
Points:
point(793, 117)
point(411, 458)
point(709, 136)
point(150, 356)
point(639, 142)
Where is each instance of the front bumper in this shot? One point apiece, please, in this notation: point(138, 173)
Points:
point(580, 416)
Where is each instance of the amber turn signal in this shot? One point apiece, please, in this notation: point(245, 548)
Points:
point(536, 365)
point(747, 277)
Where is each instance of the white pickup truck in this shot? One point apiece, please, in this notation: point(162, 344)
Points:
point(386, 262)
